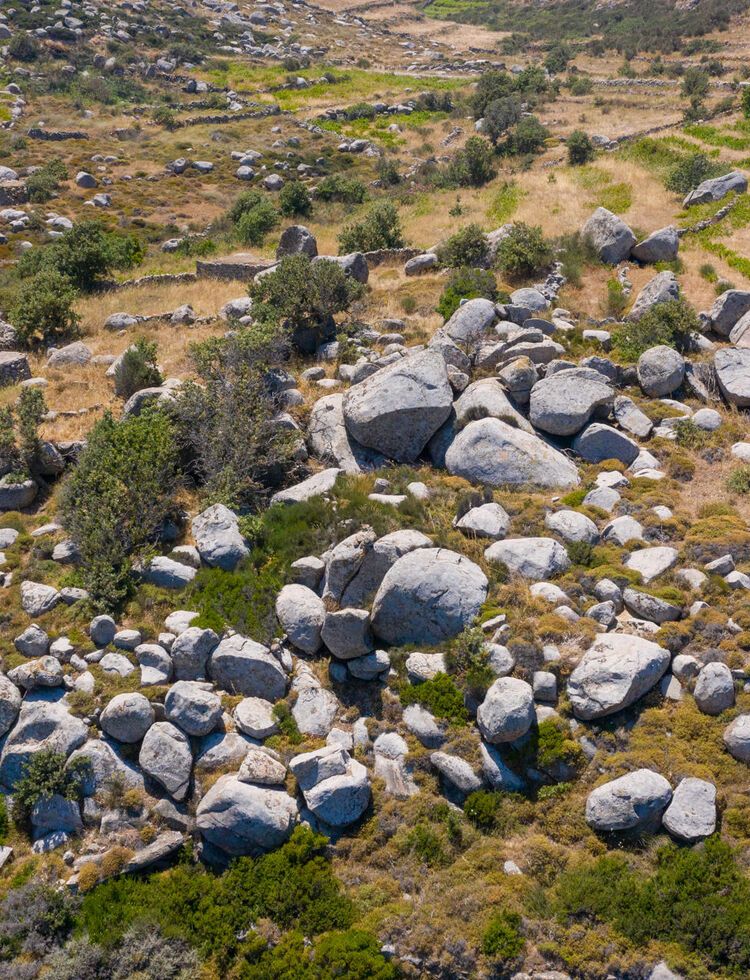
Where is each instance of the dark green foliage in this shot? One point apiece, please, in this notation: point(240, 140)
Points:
point(44, 776)
point(117, 498)
point(558, 58)
point(23, 48)
point(467, 247)
point(285, 720)
point(388, 174)
point(3, 820)
point(693, 170)
point(581, 85)
point(426, 844)
point(695, 83)
point(697, 898)
point(553, 747)
point(502, 938)
point(440, 696)
point(380, 228)
point(466, 283)
point(481, 808)
point(294, 199)
point(350, 955)
point(491, 87)
point(617, 298)
point(523, 252)
point(45, 181)
point(745, 103)
point(666, 323)
point(43, 312)
point(580, 148)
point(19, 432)
point(85, 255)
point(496, 812)
point(235, 452)
point(500, 115)
point(164, 116)
point(293, 886)
point(254, 223)
point(137, 369)
point(471, 166)
point(579, 552)
point(337, 187)
point(302, 298)
point(527, 137)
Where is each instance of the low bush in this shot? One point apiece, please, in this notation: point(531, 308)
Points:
point(440, 696)
point(254, 223)
point(466, 283)
point(670, 324)
point(502, 939)
point(45, 181)
point(294, 200)
point(467, 247)
point(380, 228)
point(137, 369)
point(117, 498)
point(85, 255)
point(19, 433)
point(738, 480)
point(43, 313)
point(337, 187)
point(471, 166)
point(527, 137)
point(523, 252)
point(580, 148)
point(45, 775)
point(693, 170)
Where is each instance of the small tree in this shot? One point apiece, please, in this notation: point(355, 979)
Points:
point(690, 172)
point(45, 181)
point(695, 84)
point(471, 166)
point(45, 775)
point(523, 252)
point(380, 228)
point(302, 297)
point(670, 324)
point(528, 137)
point(465, 283)
point(20, 444)
point(492, 85)
point(118, 497)
point(294, 199)
point(337, 187)
point(468, 247)
point(254, 224)
point(137, 369)
point(85, 254)
point(43, 312)
point(500, 116)
point(580, 148)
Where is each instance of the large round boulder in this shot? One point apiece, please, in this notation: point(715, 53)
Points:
point(632, 802)
point(507, 711)
point(737, 738)
point(493, 453)
point(242, 666)
point(242, 818)
point(193, 708)
point(616, 670)
point(301, 613)
point(714, 689)
point(428, 596)
point(127, 717)
point(399, 408)
point(609, 235)
point(661, 370)
point(564, 402)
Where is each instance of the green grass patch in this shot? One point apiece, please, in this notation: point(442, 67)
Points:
point(505, 202)
point(717, 137)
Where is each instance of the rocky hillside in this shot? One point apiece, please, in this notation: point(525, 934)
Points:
point(374, 499)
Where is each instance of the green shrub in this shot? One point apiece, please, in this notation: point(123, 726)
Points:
point(617, 299)
point(23, 48)
point(43, 312)
point(467, 660)
point(294, 199)
point(225, 421)
point(350, 955)
point(523, 252)
point(137, 369)
point(579, 552)
point(466, 283)
point(529, 136)
point(481, 807)
point(388, 174)
point(502, 938)
point(337, 187)
point(696, 898)
point(85, 255)
point(426, 844)
point(472, 165)
point(44, 775)
point(19, 433)
point(117, 498)
point(580, 148)
point(380, 228)
point(164, 116)
point(688, 173)
point(492, 86)
point(738, 480)
point(581, 85)
point(440, 696)
point(745, 103)
point(467, 247)
point(254, 223)
point(670, 324)
point(695, 83)
point(44, 182)
point(500, 116)
point(302, 297)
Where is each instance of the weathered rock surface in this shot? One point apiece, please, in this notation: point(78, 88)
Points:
point(633, 802)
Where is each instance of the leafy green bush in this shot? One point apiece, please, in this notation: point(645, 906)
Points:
point(465, 283)
point(117, 498)
point(164, 116)
point(254, 223)
point(45, 775)
point(380, 228)
point(19, 433)
point(45, 181)
point(137, 369)
point(481, 807)
point(581, 85)
point(502, 938)
point(471, 166)
point(467, 247)
point(523, 252)
point(500, 115)
point(688, 173)
point(738, 480)
point(388, 174)
point(580, 148)
point(670, 324)
point(225, 422)
point(696, 898)
point(468, 662)
point(43, 312)
point(440, 696)
point(23, 48)
point(350, 955)
point(579, 552)
point(528, 137)
point(294, 199)
point(302, 297)
point(337, 187)
point(491, 87)
point(85, 255)
point(617, 299)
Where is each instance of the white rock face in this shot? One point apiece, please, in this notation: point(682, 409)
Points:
point(615, 671)
point(633, 802)
point(165, 756)
point(127, 717)
point(609, 235)
point(428, 596)
point(335, 786)
point(691, 816)
point(533, 558)
point(737, 738)
point(242, 666)
point(486, 521)
point(301, 613)
point(218, 538)
point(714, 689)
point(651, 562)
